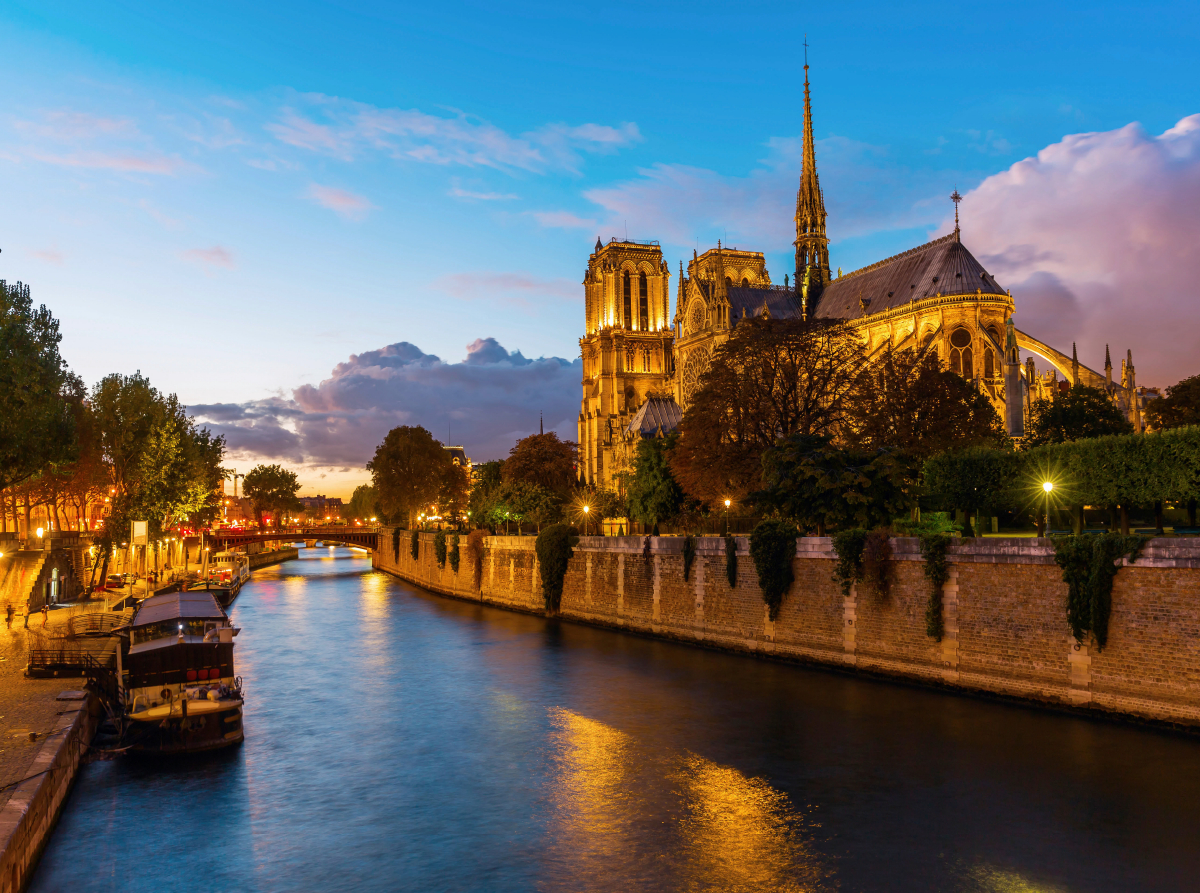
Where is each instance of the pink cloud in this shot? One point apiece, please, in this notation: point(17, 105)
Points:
point(562, 220)
point(515, 289)
point(70, 126)
point(123, 162)
point(210, 257)
point(1096, 237)
point(341, 202)
point(49, 255)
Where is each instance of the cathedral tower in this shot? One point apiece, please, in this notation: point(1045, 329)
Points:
point(812, 244)
point(626, 348)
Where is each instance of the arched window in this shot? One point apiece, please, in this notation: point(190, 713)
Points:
point(629, 300)
point(989, 363)
point(646, 359)
point(960, 353)
point(745, 282)
point(643, 300)
point(728, 282)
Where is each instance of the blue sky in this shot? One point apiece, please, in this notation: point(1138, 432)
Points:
point(235, 199)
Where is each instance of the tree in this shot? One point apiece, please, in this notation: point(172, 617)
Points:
point(522, 501)
point(362, 503)
point(808, 480)
point(1180, 407)
point(544, 460)
point(976, 479)
point(271, 488)
point(36, 421)
point(770, 380)
point(906, 401)
point(407, 472)
point(482, 501)
point(651, 490)
point(454, 492)
point(1080, 413)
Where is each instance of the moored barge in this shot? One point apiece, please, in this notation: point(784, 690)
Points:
point(180, 692)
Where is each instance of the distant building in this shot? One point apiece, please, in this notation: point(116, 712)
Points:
point(322, 506)
point(458, 455)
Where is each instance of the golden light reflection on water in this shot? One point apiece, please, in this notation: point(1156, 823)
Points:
point(994, 880)
point(619, 801)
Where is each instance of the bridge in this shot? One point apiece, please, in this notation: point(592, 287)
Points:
point(351, 535)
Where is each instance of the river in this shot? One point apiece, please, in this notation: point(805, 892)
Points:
point(396, 740)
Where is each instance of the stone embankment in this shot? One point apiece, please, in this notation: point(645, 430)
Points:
point(277, 556)
point(1004, 611)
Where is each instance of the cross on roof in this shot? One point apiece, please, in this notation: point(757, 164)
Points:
point(956, 198)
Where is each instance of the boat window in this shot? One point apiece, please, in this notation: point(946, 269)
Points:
point(166, 629)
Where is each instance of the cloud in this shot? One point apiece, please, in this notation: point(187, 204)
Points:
point(124, 162)
point(73, 127)
point(490, 399)
point(516, 289)
point(341, 202)
point(345, 129)
point(49, 255)
point(83, 140)
point(562, 220)
point(1096, 237)
point(459, 192)
point(209, 257)
point(865, 190)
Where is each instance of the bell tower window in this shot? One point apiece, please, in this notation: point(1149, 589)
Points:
point(643, 302)
point(627, 320)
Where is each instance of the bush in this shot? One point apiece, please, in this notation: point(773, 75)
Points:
point(731, 561)
point(554, 551)
point(415, 546)
point(439, 548)
point(773, 546)
point(689, 555)
point(848, 569)
point(937, 571)
point(475, 554)
point(454, 553)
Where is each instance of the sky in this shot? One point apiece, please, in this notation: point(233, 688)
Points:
point(314, 221)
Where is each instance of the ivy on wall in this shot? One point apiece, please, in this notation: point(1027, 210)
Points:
point(415, 547)
point(475, 554)
point(772, 547)
point(396, 544)
point(554, 548)
point(439, 548)
point(877, 561)
point(937, 571)
point(848, 569)
point(454, 555)
point(731, 561)
point(1089, 566)
point(689, 555)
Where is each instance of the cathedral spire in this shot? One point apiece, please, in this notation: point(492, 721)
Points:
point(720, 290)
point(1074, 366)
point(812, 245)
point(1108, 367)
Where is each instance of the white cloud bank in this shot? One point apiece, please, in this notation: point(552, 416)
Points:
point(1098, 237)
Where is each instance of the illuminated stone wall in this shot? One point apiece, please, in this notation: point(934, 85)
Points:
point(1004, 612)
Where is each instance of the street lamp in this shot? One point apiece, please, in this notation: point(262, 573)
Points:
point(586, 509)
point(727, 517)
point(1047, 488)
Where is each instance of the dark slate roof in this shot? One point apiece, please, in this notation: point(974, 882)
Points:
point(782, 303)
point(656, 413)
point(943, 265)
point(176, 606)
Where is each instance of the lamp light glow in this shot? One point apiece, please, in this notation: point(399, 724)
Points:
point(1047, 486)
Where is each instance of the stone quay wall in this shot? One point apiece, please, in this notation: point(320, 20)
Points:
point(1004, 609)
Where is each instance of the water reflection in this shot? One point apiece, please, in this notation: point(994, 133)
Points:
point(706, 826)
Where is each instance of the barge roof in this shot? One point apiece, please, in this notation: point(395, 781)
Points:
point(177, 606)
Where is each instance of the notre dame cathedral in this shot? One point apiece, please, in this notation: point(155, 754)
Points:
point(641, 365)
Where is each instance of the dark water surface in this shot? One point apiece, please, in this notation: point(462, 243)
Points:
point(400, 741)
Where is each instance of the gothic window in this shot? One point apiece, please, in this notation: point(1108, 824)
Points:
point(696, 317)
point(629, 359)
point(645, 359)
point(745, 282)
point(960, 353)
point(989, 363)
point(728, 282)
point(628, 302)
point(643, 300)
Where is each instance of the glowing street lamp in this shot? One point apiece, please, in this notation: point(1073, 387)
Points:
point(586, 509)
point(1047, 488)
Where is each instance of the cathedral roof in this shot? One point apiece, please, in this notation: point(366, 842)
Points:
point(781, 302)
point(943, 265)
point(656, 414)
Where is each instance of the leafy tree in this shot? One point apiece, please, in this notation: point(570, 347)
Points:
point(521, 501)
point(36, 420)
point(975, 479)
point(1180, 407)
point(1080, 413)
point(482, 501)
point(602, 505)
point(362, 503)
point(407, 471)
point(544, 460)
point(652, 493)
point(271, 488)
point(454, 491)
point(772, 379)
point(906, 401)
point(808, 480)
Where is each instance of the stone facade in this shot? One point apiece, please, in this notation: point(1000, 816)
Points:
point(1004, 610)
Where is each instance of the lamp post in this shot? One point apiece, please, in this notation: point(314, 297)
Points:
point(1047, 488)
point(727, 517)
point(585, 519)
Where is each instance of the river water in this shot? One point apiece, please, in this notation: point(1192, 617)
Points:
point(396, 740)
